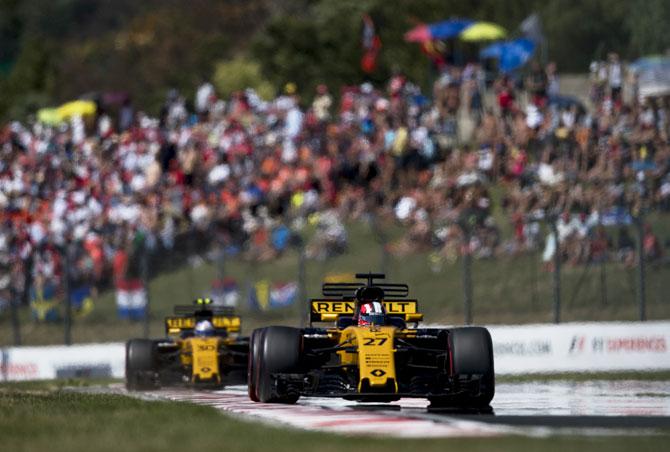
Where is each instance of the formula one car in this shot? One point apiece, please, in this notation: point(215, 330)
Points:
point(371, 355)
point(202, 348)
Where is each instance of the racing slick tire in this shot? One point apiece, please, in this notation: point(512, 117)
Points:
point(141, 365)
point(470, 366)
point(252, 369)
point(279, 352)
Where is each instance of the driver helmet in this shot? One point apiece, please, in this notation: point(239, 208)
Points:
point(371, 313)
point(204, 328)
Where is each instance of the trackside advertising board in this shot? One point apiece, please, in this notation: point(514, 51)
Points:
point(518, 349)
point(45, 363)
point(581, 347)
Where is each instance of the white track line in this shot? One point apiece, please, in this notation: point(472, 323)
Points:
point(342, 417)
point(336, 418)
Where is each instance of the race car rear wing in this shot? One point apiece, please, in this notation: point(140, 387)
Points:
point(195, 309)
point(223, 318)
point(223, 324)
point(329, 310)
point(348, 290)
point(339, 299)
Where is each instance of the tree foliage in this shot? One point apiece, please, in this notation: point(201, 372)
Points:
point(65, 48)
point(238, 74)
point(60, 49)
point(648, 22)
point(323, 43)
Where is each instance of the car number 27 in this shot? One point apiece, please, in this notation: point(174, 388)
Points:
point(374, 340)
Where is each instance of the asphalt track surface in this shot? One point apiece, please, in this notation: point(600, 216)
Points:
point(534, 408)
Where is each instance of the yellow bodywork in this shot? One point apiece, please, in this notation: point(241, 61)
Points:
point(202, 354)
point(374, 356)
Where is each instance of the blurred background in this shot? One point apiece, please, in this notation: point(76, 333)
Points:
point(508, 160)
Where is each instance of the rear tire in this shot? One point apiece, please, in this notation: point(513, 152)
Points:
point(279, 352)
point(141, 365)
point(470, 360)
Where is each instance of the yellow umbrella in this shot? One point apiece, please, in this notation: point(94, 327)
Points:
point(53, 116)
point(76, 108)
point(483, 31)
point(48, 116)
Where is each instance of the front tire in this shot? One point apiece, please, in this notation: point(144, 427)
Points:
point(279, 352)
point(470, 368)
point(141, 365)
point(254, 363)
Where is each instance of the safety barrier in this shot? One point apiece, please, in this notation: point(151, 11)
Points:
point(518, 349)
point(49, 362)
point(582, 347)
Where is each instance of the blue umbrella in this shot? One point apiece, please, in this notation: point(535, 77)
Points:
point(511, 54)
point(653, 75)
point(652, 62)
point(449, 28)
point(492, 51)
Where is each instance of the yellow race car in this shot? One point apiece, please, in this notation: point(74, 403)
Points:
point(371, 354)
point(202, 348)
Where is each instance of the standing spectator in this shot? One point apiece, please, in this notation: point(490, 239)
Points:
point(293, 124)
point(322, 103)
point(614, 78)
point(626, 247)
point(652, 247)
point(204, 99)
point(598, 74)
point(553, 85)
point(537, 85)
point(505, 95)
point(126, 115)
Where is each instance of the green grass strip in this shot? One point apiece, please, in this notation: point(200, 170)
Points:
point(57, 420)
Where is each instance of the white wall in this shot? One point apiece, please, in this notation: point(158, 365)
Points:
point(582, 347)
point(518, 349)
point(41, 363)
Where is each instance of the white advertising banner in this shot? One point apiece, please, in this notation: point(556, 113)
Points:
point(581, 347)
point(518, 349)
point(43, 363)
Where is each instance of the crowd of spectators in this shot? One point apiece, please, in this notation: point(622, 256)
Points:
point(456, 168)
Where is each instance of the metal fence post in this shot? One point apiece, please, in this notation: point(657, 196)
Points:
point(557, 272)
point(190, 261)
point(641, 280)
point(68, 295)
point(302, 289)
point(222, 261)
point(603, 282)
point(27, 281)
point(533, 283)
point(465, 224)
point(382, 240)
point(14, 306)
point(298, 243)
point(385, 259)
point(467, 287)
point(145, 283)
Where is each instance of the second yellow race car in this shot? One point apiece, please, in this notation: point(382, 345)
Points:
point(371, 354)
point(203, 349)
